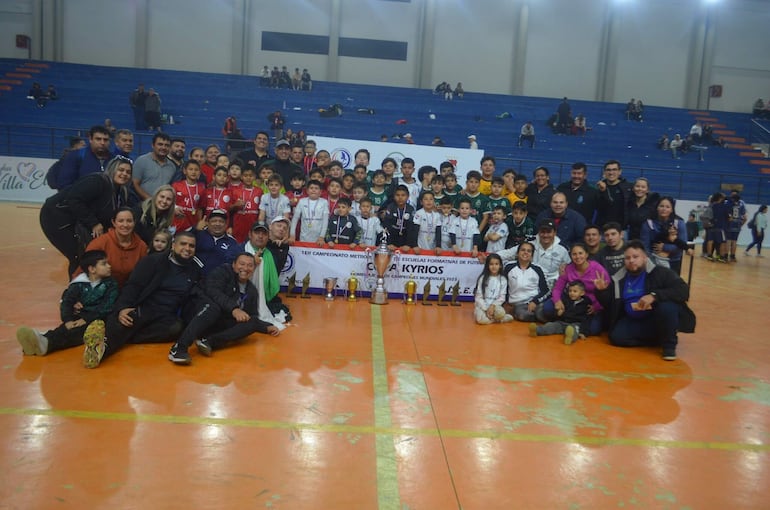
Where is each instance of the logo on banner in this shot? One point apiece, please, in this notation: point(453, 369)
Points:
point(343, 156)
point(289, 265)
point(27, 176)
point(398, 156)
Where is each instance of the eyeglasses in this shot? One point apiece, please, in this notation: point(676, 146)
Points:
point(123, 158)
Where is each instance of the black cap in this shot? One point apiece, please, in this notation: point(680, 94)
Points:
point(221, 213)
point(282, 142)
point(546, 225)
point(259, 226)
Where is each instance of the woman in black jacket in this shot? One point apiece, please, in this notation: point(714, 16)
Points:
point(640, 207)
point(74, 216)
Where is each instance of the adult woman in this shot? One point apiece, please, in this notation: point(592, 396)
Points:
point(198, 154)
point(527, 286)
point(640, 207)
point(758, 230)
point(539, 192)
point(208, 166)
point(586, 271)
point(123, 246)
point(83, 211)
point(155, 213)
point(664, 236)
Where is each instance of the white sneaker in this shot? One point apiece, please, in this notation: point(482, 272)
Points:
point(507, 318)
point(33, 343)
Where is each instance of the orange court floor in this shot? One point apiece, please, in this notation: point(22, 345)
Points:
point(360, 406)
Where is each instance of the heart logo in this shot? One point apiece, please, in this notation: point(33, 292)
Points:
point(25, 171)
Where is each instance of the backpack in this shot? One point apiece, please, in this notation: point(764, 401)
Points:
point(52, 176)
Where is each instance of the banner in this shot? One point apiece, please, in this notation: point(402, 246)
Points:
point(23, 179)
point(430, 272)
point(344, 150)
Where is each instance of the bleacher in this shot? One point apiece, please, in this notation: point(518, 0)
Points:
point(199, 103)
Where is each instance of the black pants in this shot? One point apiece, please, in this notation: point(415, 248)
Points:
point(757, 239)
point(211, 318)
point(59, 229)
point(149, 327)
point(63, 338)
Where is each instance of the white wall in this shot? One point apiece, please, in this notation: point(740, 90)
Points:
point(15, 18)
point(98, 32)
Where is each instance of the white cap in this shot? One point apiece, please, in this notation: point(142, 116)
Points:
point(471, 137)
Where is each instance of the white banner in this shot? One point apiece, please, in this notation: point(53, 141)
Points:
point(344, 150)
point(322, 263)
point(23, 179)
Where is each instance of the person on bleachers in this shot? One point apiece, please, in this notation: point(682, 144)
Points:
point(472, 144)
point(51, 94)
point(676, 145)
point(564, 113)
point(663, 142)
point(708, 137)
point(579, 125)
point(527, 134)
point(285, 78)
point(77, 164)
point(37, 93)
point(696, 133)
point(459, 92)
point(154, 169)
point(276, 120)
point(307, 81)
point(296, 79)
point(137, 100)
point(758, 110)
point(275, 77)
point(152, 110)
point(264, 77)
point(109, 126)
point(581, 196)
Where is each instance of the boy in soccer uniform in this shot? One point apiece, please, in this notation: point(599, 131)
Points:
point(234, 175)
point(408, 180)
point(397, 219)
point(465, 233)
point(377, 192)
point(425, 175)
point(519, 193)
point(477, 200)
point(297, 189)
point(247, 200)
point(218, 196)
point(452, 189)
point(359, 193)
point(370, 224)
point(446, 168)
point(428, 222)
point(487, 174)
point(348, 181)
point(188, 196)
point(333, 194)
point(312, 215)
point(359, 173)
point(520, 226)
point(497, 232)
point(389, 167)
point(343, 227)
point(275, 204)
point(446, 206)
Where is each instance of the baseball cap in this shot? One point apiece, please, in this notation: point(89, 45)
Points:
point(279, 219)
point(258, 226)
point(546, 225)
point(282, 142)
point(471, 137)
point(221, 213)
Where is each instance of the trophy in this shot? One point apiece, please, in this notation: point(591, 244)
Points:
point(352, 287)
point(455, 294)
point(425, 294)
point(410, 289)
point(291, 284)
point(441, 293)
point(380, 259)
point(329, 285)
point(305, 286)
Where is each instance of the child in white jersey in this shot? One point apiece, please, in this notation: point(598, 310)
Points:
point(312, 214)
point(491, 290)
point(370, 224)
point(465, 230)
point(428, 222)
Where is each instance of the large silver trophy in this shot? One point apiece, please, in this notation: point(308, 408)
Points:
point(380, 260)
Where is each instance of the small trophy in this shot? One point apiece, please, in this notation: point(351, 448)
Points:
point(425, 294)
point(410, 289)
point(352, 282)
point(441, 293)
point(291, 284)
point(330, 284)
point(380, 259)
point(455, 294)
point(305, 286)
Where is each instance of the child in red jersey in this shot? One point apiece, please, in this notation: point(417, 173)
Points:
point(189, 195)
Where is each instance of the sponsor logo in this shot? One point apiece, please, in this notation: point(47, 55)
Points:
point(342, 155)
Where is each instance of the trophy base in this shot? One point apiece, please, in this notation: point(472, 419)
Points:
point(379, 297)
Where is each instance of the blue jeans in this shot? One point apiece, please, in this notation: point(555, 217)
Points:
point(657, 329)
point(547, 313)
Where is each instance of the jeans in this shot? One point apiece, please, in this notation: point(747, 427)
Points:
point(657, 329)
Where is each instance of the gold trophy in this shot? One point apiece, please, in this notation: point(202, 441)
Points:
point(330, 284)
point(441, 293)
point(352, 287)
point(425, 294)
point(455, 294)
point(291, 284)
point(410, 290)
point(380, 259)
point(305, 286)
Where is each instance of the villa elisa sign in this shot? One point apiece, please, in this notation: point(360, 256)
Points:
point(23, 179)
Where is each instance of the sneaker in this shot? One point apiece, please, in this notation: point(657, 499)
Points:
point(708, 257)
point(733, 259)
point(747, 253)
point(204, 347)
point(94, 340)
point(532, 329)
point(720, 259)
point(179, 355)
point(759, 255)
point(570, 335)
point(507, 318)
point(669, 354)
point(33, 343)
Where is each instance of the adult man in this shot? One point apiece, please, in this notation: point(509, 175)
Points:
point(612, 256)
point(228, 312)
point(88, 160)
point(581, 196)
point(277, 121)
point(259, 154)
point(569, 224)
point(215, 245)
point(154, 169)
point(592, 238)
point(176, 153)
point(124, 143)
point(281, 164)
point(563, 112)
point(147, 308)
point(137, 100)
point(270, 249)
point(527, 133)
point(550, 255)
point(152, 110)
point(297, 155)
point(646, 303)
point(306, 82)
point(614, 192)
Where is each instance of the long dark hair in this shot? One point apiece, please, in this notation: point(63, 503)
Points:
point(485, 274)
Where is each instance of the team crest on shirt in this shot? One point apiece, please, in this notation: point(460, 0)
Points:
point(348, 225)
point(406, 216)
point(225, 199)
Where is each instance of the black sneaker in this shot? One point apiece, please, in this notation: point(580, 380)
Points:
point(204, 347)
point(669, 354)
point(179, 355)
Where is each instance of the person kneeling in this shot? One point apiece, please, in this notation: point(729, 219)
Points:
point(231, 309)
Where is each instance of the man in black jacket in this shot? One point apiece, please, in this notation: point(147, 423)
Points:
point(646, 303)
point(230, 312)
point(147, 309)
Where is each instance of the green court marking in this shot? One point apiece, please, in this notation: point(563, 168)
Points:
point(387, 466)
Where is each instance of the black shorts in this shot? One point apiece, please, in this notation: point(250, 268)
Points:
point(716, 235)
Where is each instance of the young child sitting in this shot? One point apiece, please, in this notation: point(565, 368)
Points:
point(89, 296)
point(573, 320)
point(491, 291)
point(343, 227)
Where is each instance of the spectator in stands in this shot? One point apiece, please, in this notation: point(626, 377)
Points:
point(51, 94)
point(152, 110)
point(282, 165)
point(570, 225)
point(675, 145)
point(154, 169)
point(579, 125)
point(527, 134)
point(696, 132)
point(663, 142)
point(275, 77)
point(264, 77)
point(285, 78)
point(259, 154)
point(581, 196)
point(156, 213)
point(84, 210)
point(307, 81)
point(36, 93)
point(437, 142)
point(758, 110)
point(137, 101)
point(230, 125)
point(76, 143)
point(296, 79)
point(708, 137)
point(277, 121)
point(614, 193)
point(472, 142)
point(564, 113)
point(640, 207)
point(109, 126)
point(91, 160)
point(539, 192)
point(459, 91)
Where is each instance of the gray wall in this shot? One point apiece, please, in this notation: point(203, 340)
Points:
point(666, 52)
